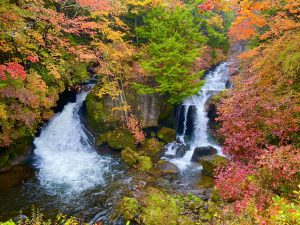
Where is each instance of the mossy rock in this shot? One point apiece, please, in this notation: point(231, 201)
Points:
point(129, 208)
point(117, 139)
point(100, 116)
point(166, 134)
point(209, 164)
point(206, 182)
point(130, 157)
point(144, 163)
point(152, 147)
point(160, 209)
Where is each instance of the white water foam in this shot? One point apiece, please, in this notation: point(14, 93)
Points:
point(215, 82)
point(66, 159)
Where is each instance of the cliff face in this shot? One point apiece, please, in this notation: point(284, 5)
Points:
point(149, 110)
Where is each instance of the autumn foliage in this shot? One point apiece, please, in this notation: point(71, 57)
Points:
point(260, 115)
point(136, 129)
point(12, 70)
point(45, 47)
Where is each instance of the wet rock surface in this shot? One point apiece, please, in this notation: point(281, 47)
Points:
point(203, 151)
point(167, 169)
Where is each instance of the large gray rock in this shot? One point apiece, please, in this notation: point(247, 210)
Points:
point(167, 168)
point(203, 151)
point(147, 108)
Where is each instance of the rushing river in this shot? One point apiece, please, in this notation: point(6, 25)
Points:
point(70, 175)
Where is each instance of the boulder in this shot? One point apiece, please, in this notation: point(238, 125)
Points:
point(181, 150)
point(117, 139)
point(129, 208)
point(144, 163)
point(174, 149)
point(129, 156)
point(159, 208)
point(210, 163)
point(167, 168)
point(203, 151)
point(166, 134)
point(152, 147)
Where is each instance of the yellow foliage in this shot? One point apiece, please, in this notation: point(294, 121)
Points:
point(3, 115)
point(217, 21)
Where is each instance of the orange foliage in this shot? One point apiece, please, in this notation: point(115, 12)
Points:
point(102, 5)
point(135, 128)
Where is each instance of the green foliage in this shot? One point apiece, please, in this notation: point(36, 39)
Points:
point(77, 73)
point(286, 212)
point(10, 222)
point(172, 47)
point(38, 218)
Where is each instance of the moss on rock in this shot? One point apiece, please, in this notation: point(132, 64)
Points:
point(130, 157)
point(152, 147)
point(129, 208)
point(209, 164)
point(144, 163)
point(206, 182)
point(160, 209)
point(166, 134)
point(117, 139)
point(100, 117)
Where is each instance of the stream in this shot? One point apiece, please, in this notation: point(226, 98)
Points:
point(68, 174)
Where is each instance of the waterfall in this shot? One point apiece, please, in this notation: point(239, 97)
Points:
point(65, 157)
point(215, 82)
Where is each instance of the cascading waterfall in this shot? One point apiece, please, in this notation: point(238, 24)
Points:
point(215, 82)
point(66, 159)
